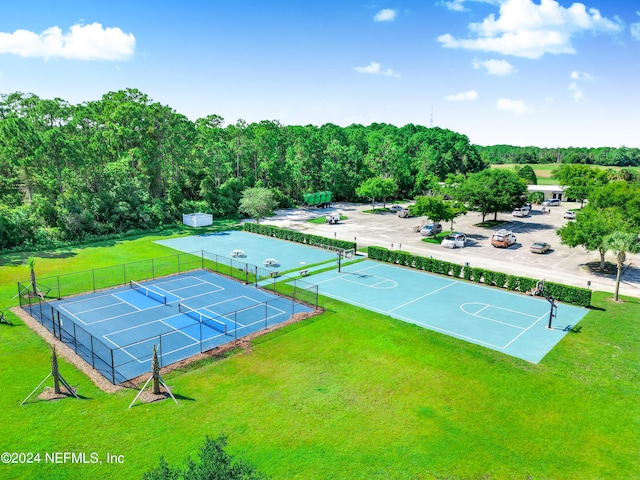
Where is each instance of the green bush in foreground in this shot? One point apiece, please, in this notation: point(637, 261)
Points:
point(212, 463)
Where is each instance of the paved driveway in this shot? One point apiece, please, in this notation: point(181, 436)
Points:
point(562, 264)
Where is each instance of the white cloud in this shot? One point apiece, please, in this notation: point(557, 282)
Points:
point(634, 28)
point(526, 29)
point(496, 67)
point(458, 5)
point(455, 5)
point(385, 15)
point(576, 92)
point(374, 68)
point(576, 75)
point(514, 106)
point(82, 42)
point(464, 96)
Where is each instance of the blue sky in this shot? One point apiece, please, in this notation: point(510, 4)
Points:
point(548, 73)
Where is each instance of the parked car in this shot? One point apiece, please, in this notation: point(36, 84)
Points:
point(404, 213)
point(570, 215)
point(454, 240)
point(395, 208)
point(520, 212)
point(430, 230)
point(540, 247)
point(332, 219)
point(552, 202)
point(503, 238)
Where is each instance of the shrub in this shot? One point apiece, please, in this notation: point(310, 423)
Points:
point(499, 279)
point(476, 274)
point(488, 277)
point(466, 273)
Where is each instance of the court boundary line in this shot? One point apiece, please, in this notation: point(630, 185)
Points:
point(487, 305)
point(422, 296)
point(392, 313)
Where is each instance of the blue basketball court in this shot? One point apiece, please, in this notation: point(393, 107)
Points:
point(182, 315)
point(256, 249)
point(508, 322)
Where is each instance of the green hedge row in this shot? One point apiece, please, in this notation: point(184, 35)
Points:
point(564, 293)
point(298, 237)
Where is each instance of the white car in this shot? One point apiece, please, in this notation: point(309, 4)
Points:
point(553, 202)
point(520, 212)
point(570, 215)
point(454, 240)
point(396, 208)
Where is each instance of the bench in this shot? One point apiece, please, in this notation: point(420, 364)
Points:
point(304, 273)
point(274, 274)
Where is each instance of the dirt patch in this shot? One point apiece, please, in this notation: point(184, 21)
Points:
point(50, 394)
point(610, 269)
point(149, 397)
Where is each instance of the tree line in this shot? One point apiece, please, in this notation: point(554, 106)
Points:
point(603, 156)
point(124, 162)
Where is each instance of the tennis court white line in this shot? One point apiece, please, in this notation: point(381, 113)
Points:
point(200, 295)
point(421, 297)
point(176, 330)
point(90, 299)
point(124, 347)
point(103, 307)
point(61, 307)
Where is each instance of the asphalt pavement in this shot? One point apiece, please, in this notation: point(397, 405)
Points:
point(561, 264)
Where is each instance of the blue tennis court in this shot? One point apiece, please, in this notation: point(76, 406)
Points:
point(508, 322)
point(182, 315)
point(256, 248)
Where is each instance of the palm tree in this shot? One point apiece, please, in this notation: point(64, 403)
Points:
point(155, 370)
point(31, 262)
point(621, 243)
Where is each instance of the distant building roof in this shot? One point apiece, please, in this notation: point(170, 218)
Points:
point(546, 188)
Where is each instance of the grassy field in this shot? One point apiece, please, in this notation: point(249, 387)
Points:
point(544, 175)
point(348, 394)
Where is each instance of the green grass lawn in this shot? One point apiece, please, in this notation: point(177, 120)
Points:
point(348, 394)
point(544, 171)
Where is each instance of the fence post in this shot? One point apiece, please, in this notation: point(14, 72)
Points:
point(59, 292)
point(179, 264)
point(93, 279)
point(93, 355)
point(124, 274)
point(75, 339)
point(235, 323)
point(113, 369)
point(153, 268)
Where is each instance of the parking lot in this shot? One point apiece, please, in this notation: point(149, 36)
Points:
point(561, 264)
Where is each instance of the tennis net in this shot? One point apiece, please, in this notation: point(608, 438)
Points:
point(213, 323)
point(141, 289)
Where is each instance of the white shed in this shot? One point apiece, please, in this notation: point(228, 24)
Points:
point(197, 219)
